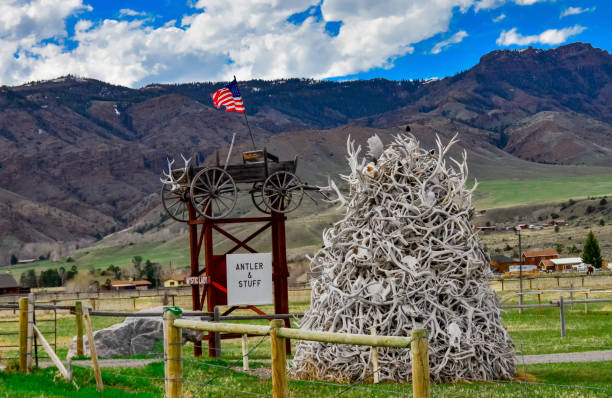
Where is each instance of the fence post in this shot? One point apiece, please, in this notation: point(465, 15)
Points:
point(78, 312)
point(375, 359)
point(31, 301)
point(23, 334)
point(173, 363)
point(217, 336)
point(245, 352)
point(279, 359)
point(539, 302)
point(562, 315)
point(502, 282)
point(92, 349)
point(420, 363)
point(586, 305)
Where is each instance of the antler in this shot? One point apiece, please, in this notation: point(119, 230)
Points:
point(169, 177)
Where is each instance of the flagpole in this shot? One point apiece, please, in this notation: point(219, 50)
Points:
point(247, 123)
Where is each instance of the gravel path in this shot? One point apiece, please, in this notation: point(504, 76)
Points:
point(586, 356)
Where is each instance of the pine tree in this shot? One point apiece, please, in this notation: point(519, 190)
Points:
point(591, 254)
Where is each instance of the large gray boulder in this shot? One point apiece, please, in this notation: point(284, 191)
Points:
point(133, 336)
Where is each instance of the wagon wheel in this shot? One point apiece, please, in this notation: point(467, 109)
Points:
point(257, 198)
point(175, 202)
point(213, 193)
point(282, 192)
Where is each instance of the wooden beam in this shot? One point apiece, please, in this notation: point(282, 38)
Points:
point(173, 364)
point(279, 361)
point(52, 354)
point(23, 335)
point(256, 330)
point(78, 312)
point(420, 364)
point(92, 350)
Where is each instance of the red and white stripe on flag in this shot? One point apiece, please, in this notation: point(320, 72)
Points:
point(224, 97)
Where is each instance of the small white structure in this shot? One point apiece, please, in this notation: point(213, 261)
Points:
point(566, 264)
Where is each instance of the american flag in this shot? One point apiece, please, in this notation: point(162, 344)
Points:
point(229, 96)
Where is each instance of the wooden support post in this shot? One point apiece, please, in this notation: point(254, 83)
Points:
point(245, 352)
point(558, 281)
point(92, 349)
point(31, 301)
point(530, 280)
point(582, 280)
point(420, 363)
point(539, 302)
point(562, 315)
point(502, 282)
point(217, 335)
point(375, 365)
point(93, 303)
point(572, 293)
point(78, 312)
point(586, 305)
point(64, 372)
point(134, 303)
point(23, 334)
point(173, 363)
point(279, 359)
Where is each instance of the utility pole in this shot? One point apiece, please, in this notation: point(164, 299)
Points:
point(518, 231)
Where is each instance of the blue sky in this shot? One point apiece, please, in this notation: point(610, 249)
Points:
point(139, 42)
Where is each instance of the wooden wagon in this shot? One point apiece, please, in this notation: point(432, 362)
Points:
point(213, 191)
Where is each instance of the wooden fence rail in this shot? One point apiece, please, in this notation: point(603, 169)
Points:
point(173, 365)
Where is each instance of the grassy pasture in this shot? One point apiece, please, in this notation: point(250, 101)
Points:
point(516, 192)
point(212, 378)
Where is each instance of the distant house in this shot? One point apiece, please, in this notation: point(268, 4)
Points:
point(175, 281)
point(27, 261)
point(8, 284)
point(501, 263)
point(557, 222)
point(566, 264)
point(535, 257)
point(130, 285)
point(547, 266)
point(486, 229)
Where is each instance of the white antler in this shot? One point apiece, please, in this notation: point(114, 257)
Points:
point(169, 176)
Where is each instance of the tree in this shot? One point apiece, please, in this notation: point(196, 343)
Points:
point(50, 278)
point(137, 263)
point(14, 259)
point(28, 279)
point(591, 253)
point(115, 270)
point(152, 273)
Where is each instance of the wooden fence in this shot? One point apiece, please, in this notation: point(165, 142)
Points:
point(173, 367)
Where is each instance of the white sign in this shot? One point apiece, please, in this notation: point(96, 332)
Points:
point(249, 278)
point(195, 280)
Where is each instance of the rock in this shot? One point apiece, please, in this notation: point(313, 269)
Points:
point(133, 336)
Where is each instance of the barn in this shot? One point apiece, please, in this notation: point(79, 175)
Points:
point(8, 284)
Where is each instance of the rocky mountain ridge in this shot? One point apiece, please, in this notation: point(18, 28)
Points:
point(94, 151)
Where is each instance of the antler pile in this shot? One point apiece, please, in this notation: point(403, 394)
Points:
point(405, 256)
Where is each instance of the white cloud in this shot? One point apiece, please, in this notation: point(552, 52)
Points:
point(499, 18)
point(550, 36)
point(489, 4)
point(219, 39)
point(575, 11)
point(130, 13)
point(456, 38)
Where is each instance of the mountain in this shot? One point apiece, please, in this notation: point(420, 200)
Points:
point(552, 106)
point(80, 158)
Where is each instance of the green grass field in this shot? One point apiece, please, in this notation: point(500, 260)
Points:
point(506, 193)
point(215, 378)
